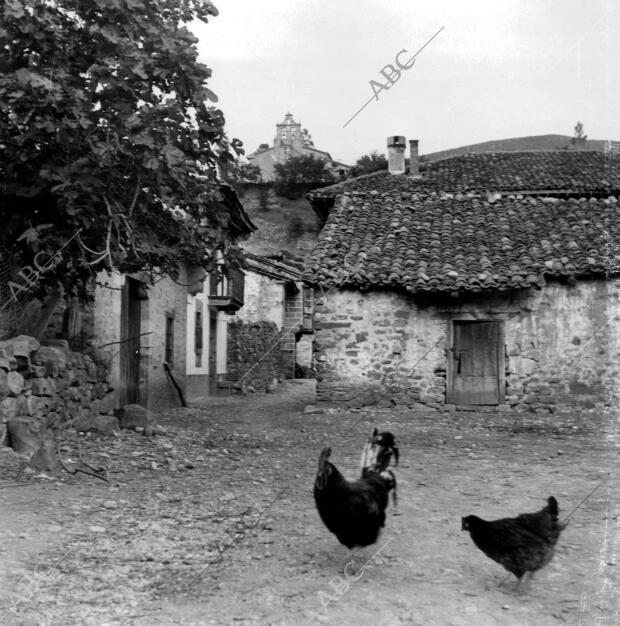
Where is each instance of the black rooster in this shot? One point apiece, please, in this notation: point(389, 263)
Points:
point(378, 452)
point(521, 544)
point(355, 511)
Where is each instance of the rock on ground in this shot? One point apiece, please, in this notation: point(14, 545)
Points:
point(132, 416)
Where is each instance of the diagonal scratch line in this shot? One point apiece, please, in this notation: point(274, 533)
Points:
point(278, 495)
point(31, 282)
point(571, 513)
point(368, 560)
point(219, 558)
point(426, 44)
point(359, 111)
point(260, 514)
point(563, 521)
point(31, 576)
point(375, 97)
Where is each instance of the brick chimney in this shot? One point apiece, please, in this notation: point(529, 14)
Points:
point(396, 154)
point(414, 158)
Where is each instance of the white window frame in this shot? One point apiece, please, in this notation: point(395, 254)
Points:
point(202, 297)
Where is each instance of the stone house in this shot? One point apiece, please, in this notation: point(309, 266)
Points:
point(272, 333)
point(480, 280)
point(291, 140)
point(170, 338)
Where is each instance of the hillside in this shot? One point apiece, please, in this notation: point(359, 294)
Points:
point(535, 142)
point(290, 225)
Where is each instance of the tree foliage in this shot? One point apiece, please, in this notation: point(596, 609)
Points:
point(301, 174)
point(372, 162)
point(242, 175)
point(578, 138)
point(108, 138)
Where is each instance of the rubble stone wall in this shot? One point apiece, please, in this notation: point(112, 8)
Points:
point(50, 384)
point(263, 299)
point(166, 297)
point(562, 345)
point(254, 357)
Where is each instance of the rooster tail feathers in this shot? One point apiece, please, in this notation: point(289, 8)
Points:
point(378, 452)
point(324, 458)
point(369, 451)
point(325, 469)
point(396, 455)
point(554, 511)
point(368, 457)
point(552, 505)
point(392, 486)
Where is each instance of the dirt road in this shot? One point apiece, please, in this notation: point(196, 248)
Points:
point(214, 522)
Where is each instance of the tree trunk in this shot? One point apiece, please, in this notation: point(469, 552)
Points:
point(38, 323)
point(72, 321)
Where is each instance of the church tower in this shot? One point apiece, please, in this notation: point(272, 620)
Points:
point(290, 133)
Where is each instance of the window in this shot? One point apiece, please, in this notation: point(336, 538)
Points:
point(219, 279)
point(308, 310)
point(198, 334)
point(226, 285)
point(169, 349)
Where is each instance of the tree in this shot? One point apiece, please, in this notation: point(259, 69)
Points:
point(108, 141)
point(369, 163)
point(579, 137)
point(301, 174)
point(241, 175)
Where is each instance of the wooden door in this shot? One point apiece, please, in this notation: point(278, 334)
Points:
point(476, 371)
point(130, 346)
point(212, 353)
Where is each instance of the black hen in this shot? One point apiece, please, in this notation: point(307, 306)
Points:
point(355, 511)
point(521, 544)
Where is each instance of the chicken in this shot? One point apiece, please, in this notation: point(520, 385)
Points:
point(520, 544)
point(378, 452)
point(355, 511)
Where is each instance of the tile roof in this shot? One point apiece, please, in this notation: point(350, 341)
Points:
point(277, 268)
point(534, 171)
point(239, 221)
point(431, 242)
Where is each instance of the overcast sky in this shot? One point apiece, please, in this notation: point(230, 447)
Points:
point(498, 69)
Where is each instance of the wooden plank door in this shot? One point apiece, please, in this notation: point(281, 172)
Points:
point(212, 353)
point(476, 372)
point(130, 346)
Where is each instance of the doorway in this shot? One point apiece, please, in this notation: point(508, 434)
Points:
point(130, 343)
point(212, 354)
point(476, 363)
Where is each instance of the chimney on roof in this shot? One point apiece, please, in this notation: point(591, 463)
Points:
point(396, 154)
point(414, 158)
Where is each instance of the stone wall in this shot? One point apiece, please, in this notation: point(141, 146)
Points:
point(271, 300)
point(50, 384)
point(293, 319)
point(562, 345)
point(165, 297)
point(263, 299)
point(253, 355)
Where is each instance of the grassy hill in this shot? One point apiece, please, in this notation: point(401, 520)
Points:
point(290, 225)
point(535, 142)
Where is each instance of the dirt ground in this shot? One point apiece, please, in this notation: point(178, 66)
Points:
point(214, 521)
